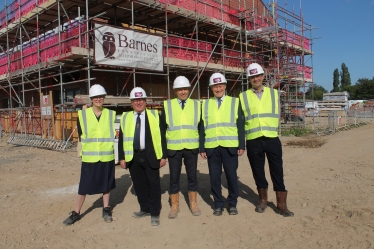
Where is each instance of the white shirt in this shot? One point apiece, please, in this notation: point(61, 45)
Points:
point(180, 102)
point(142, 128)
point(258, 92)
point(220, 99)
point(259, 96)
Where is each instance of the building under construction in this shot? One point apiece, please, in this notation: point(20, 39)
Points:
point(49, 54)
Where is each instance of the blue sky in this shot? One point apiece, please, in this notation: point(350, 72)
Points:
point(344, 32)
point(346, 28)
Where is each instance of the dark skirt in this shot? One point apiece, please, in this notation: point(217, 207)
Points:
point(97, 178)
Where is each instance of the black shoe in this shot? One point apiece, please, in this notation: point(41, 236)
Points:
point(74, 216)
point(140, 214)
point(233, 210)
point(218, 211)
point(107, 215)
point(155, 220)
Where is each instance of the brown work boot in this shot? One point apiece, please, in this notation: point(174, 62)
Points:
point(193, 204)
point(282, 204)
point(262, 200)
point(174, 200)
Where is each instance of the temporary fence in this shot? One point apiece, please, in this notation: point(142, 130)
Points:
point(26, 127)
point(335, 121)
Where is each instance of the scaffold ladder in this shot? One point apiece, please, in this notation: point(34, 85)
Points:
point(32, 141)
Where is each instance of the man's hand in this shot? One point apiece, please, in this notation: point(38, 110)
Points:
point(162, 162)
point(203, 155)
point(240, 152)
point(123, 164)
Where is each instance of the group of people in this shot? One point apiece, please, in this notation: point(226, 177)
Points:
point(219, 129)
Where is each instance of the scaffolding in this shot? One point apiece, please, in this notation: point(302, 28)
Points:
point(48, 45)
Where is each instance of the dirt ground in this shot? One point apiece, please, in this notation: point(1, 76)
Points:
point(330, 191)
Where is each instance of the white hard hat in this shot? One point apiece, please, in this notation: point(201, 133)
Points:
point(181, 82)
point(254, 69)
point(217, 78)
point(138, 93)
point(97, 90)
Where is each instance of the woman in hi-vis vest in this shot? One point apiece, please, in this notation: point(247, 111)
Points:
point(96, 132)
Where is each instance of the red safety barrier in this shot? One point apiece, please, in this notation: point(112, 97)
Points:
point(232, 58)
point(306, 70)
point(27, 7)
point(187, 43)
point(3, 18)
point(306, 43)
point(295, 38)
point(203, 56)
point(188, 55)
point(49, 48)
point(209, 8)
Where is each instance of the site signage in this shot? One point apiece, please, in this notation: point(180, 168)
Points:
point(127, 48)
point(46, 106)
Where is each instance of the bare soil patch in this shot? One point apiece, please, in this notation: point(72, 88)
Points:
point(331, 192)
point(307, 142)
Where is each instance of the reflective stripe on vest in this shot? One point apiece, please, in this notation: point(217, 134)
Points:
point(182, 131)
point(220, 124)
point(97, 136)
point(261, 115)
point(128, 131)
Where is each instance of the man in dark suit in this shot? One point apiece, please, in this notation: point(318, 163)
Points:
point(142, 149)
point(222, 141)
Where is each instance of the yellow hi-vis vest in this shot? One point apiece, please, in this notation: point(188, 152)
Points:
point(261, 115)
point(182, 131)
point(128, 130)
point(220, 124)
point(97, 136)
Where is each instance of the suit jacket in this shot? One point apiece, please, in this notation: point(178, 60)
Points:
point(163, 123)
point(241, 135)
point(149, 150)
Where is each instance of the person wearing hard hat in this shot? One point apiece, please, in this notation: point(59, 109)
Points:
point(261, 114)
point(180, 117)
point(222, 141)
point(142, 149)
point(97, 133)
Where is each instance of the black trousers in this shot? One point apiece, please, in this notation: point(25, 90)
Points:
point(256, 151)
point(175, 167)
point(146, 182)
point(221, 156)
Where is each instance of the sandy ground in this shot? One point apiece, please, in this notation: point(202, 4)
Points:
point(330, 191)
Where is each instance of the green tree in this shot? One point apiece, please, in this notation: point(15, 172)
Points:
point(364, 88)
point(315, 92)
point(345, 78)
point(336, 81)
point(352, 91)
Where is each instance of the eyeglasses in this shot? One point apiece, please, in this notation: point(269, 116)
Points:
point(98, 97)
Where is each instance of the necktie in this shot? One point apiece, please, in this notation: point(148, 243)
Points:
point(183, 101)
point(219, 102)
point(137, 133)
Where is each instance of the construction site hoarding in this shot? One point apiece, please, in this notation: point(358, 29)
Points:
point(127, 48)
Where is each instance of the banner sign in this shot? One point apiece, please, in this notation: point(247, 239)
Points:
point(126, 48)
